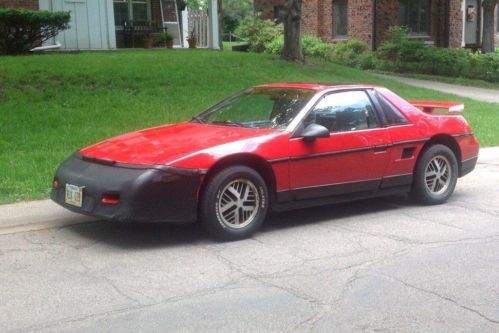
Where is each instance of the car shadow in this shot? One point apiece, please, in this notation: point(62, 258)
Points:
point(154, 235)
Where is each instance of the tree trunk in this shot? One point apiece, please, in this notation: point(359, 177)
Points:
point(292, 40)
point(488, 37)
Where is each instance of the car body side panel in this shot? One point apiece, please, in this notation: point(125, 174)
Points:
point(429, 125)
point(345, 162)
point(273, 148)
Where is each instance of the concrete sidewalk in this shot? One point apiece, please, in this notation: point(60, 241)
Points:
point(479, 94)
point(44, 214)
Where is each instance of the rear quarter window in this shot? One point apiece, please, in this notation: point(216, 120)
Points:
point(392, 115)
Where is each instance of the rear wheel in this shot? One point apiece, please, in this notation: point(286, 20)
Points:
point(234, 203)
point(435, 176)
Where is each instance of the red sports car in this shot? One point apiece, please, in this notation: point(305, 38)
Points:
point(273, 146)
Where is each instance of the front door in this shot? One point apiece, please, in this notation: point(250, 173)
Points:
point(352, 159)
point(472, 23)
point(133, 21)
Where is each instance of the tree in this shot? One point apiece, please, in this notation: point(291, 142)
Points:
point(488, 39)
point(292, 40)
point(234, 11)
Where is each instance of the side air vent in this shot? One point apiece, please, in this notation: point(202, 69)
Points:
point(408, 152)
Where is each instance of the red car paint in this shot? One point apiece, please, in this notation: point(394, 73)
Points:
point(370, 154)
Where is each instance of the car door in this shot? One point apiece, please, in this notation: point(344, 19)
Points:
point(352, 159)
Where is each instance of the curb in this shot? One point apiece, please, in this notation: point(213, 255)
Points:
point(45, 214)
point(37, 215)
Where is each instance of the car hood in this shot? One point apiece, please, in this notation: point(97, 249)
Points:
point(161, 145)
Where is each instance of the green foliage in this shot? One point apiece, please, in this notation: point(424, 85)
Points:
point(312, 47)
point(234, 11)
point(275, 46)
point(22, 29)
point(258, 32)
point(405, 55)
point(196, 4)
point(351, 52)
point(163, 37)
point(315, 47)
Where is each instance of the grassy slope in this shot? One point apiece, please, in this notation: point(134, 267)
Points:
point(51, 105)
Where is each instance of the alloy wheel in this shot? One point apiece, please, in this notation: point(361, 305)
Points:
point(438, 174)
point(238, 203)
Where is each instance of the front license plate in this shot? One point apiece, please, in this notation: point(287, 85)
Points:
point(74, 195)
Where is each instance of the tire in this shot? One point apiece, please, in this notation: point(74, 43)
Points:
point(234, 203)
point(435, 176)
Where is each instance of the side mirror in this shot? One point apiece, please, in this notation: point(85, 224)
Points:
point(314, 131)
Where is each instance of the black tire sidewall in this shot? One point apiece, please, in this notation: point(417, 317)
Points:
point(209, 214)
point(420, 191)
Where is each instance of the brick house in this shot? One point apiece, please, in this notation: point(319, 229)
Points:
point(448, 23)
point(110, 24)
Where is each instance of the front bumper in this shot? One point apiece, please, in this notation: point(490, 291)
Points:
point(146, 194)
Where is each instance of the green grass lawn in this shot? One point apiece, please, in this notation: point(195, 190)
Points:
point(53, 104)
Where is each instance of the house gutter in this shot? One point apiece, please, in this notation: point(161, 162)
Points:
point(374, 26)
point(47, 47)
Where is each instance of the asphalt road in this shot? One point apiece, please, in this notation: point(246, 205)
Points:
point(376, 265)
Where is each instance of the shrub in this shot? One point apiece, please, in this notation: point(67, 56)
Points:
point(163, 37)
point(258, 32)
point(315, 47)
point(402, 54)
point(22, 29)
point(311, 46)
point(398, 52)
point(350, 52)
point(275, 46)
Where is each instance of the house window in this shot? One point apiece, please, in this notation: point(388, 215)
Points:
point(131, 10)
point(415, 14)
point(340, 19)
point(278, 14)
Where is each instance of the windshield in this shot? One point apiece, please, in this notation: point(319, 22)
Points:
point(258, 108)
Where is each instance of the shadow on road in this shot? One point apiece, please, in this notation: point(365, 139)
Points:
point(153, 235)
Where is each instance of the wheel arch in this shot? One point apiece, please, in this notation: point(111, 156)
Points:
point(255, 162)
point(448, 141)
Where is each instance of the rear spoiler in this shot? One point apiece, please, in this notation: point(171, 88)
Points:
point(429, 106)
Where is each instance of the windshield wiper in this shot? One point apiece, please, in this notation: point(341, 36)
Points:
point(229, 123)
point(198, 119)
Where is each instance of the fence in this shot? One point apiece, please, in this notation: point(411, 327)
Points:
point(198, 24)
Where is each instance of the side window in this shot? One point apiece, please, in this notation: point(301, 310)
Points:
point(392, 115)
point(344, 111)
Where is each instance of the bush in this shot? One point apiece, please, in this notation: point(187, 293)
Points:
point(275, 46)
point(163, 37)
point(315, 47)
point(22, 29)
point(398, 52)
point(351, 53)
point(402, 54)
point(311, 46)
point(258, 32)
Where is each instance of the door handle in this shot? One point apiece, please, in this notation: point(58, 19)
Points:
point(380, 149)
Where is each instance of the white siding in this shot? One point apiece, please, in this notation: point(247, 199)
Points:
point(92, 24)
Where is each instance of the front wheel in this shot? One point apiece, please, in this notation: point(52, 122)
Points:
point(435, 176)
point(234, 203)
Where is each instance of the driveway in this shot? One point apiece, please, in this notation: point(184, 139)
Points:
point(382, 264)
point(479, 94)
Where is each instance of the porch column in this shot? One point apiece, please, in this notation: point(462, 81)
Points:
point(213, 27)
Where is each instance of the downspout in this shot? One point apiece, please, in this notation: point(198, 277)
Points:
point(374, 26)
